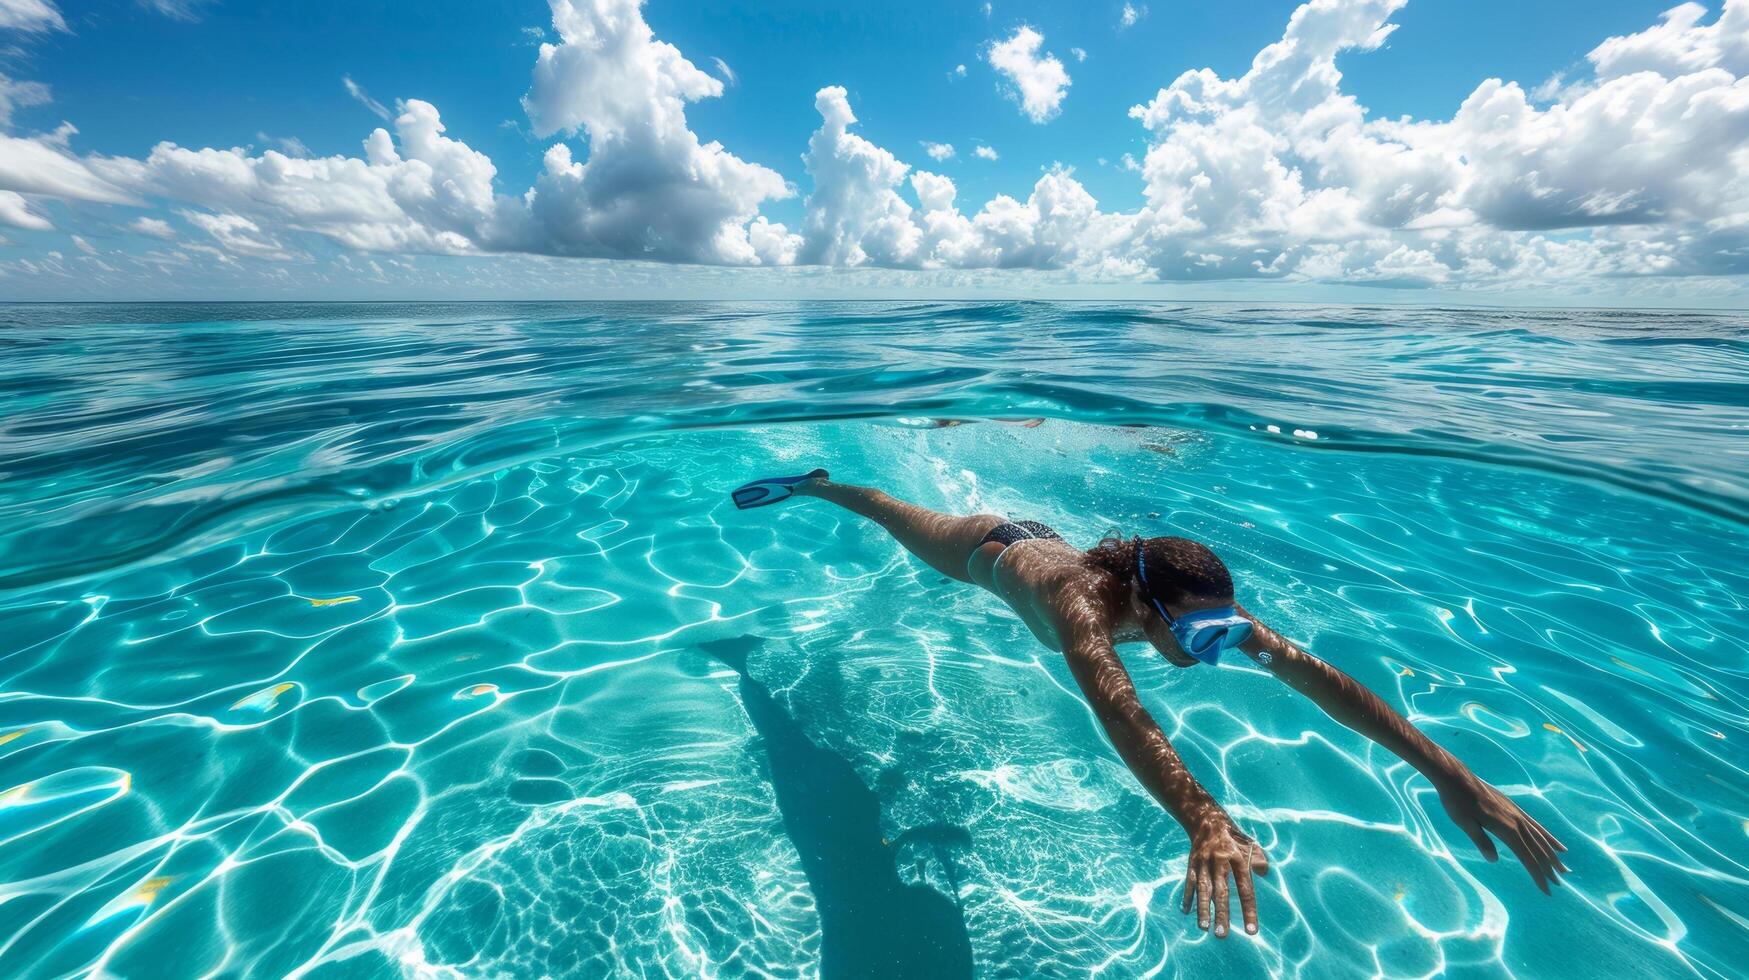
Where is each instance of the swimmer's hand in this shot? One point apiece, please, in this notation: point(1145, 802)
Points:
point(1479, 810)
point(1218, 849)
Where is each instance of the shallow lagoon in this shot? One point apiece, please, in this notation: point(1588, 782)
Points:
point(377, 640)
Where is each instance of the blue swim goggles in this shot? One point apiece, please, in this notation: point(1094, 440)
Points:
point(1204, 633)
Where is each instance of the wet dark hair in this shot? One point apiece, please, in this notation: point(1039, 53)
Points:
point(1180, 571)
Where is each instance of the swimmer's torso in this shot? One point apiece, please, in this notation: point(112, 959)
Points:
point(1048, 585)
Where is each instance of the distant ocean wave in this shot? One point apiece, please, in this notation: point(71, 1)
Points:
point(133, 430)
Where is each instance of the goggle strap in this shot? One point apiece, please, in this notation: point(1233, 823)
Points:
point(1142, 576)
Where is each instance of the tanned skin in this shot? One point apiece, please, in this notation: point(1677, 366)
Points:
point(1082, 611)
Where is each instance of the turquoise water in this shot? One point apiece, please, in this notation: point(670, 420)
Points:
point(423, 640)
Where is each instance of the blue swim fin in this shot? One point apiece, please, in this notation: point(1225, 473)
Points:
point(770, 490)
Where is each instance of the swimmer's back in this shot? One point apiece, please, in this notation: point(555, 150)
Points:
point(1046, 581)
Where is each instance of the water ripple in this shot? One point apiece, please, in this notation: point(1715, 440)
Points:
point(381, 640)
point(126, 432)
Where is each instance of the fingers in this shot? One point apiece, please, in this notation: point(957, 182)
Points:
point(1532, 863)
point(1559, 848)
point(1205, 897)
point(1543, 844)
point(1534, 846)
point(1544, 831)
point(1531, 843)
point(1207, 886)
point(1481, 839)
point(1247, 893)
point(1223, 902)
point(1547, 845)
point(1555, 847)
point(1545, 858)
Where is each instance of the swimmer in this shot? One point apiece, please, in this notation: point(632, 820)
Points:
point(1175, 594)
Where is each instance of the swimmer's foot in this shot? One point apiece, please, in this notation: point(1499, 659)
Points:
point(773, 489)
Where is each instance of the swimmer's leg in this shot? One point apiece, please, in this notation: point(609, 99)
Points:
point(943, 541)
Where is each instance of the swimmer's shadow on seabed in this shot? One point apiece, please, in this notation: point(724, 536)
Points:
point(872, 924)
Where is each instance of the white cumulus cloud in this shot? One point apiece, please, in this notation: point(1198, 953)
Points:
point(1259, 174)
point(45, 164)
point(17, 212)
point(859, 216)
point(1039, 80)
point(31, 15)
point(154, 227)
point(1680, 45)
point(238, 235)
point(853, 216)
point(425, 193)
point(1632, 165)
point(1280, 174)
point(649, 188)
point(15, 95)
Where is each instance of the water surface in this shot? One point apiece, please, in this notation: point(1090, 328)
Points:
point(392, 639)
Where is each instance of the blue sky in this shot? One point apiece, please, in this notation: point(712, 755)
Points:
point(1201, 211)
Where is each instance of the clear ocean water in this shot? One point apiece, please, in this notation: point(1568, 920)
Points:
point(380, 640)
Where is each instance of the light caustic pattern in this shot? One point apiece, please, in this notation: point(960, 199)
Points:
point(501, 727)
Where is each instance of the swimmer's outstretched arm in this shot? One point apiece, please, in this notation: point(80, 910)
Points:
point(1218, 847)
point(1476, 807)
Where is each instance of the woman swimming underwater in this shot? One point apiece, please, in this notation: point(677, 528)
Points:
point(1175, 594)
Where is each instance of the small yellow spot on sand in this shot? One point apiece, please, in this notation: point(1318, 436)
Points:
point(339, 600)
point(1570, 738)
point(9, 736)
point(264, 699)
point(1406, 672)
point(1401, 893)
point(151, 887)
point(478, 690)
